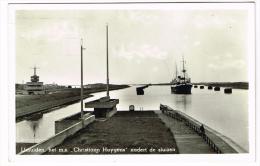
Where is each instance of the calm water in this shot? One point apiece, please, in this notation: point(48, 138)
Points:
point(226, 113)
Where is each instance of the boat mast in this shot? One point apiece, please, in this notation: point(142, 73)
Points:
point(107, 62)
point(183, 69)
point(176, 70)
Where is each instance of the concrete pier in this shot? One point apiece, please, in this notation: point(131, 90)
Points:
point(103, 107)
point(140, 90)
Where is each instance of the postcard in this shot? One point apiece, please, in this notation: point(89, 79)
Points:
point(170, 81)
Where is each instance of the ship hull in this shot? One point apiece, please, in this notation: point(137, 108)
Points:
point(181, 89)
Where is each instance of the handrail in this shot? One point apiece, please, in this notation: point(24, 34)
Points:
point(174, 114)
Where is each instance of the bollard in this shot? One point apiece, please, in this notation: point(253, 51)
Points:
point(131, 108)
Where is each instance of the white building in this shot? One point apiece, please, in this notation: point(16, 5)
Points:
point(34, 87)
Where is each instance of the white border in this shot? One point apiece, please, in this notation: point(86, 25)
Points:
point(7, 70)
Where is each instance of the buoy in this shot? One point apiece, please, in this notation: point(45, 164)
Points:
point(228, 90)
point(131, 108)
point(210, 87)
point(201, 87)
point(217, 88)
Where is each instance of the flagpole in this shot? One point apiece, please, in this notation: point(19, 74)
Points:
point(81, 77)
point(107, 63)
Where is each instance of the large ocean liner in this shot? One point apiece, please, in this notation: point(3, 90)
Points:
point(181, 84)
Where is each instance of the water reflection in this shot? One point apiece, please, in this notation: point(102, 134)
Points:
point(30, 132)
point(34, 126)
point(183, 100)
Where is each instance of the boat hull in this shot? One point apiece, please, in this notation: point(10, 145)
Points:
point(181, 89)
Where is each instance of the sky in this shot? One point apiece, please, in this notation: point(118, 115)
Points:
point(144, 45)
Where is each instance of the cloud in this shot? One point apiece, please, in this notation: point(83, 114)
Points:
point(213, 66)
point(228, 55)
point(61, 35)
point(155, 69)
point(143, 17)
point(139, 51)
point(196, 43)
point(52, 32)
point(206, 21)
point(235, 64)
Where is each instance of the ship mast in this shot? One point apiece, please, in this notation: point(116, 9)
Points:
point(176, 70)
point(183, 68)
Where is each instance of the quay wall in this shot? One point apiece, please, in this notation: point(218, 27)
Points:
point(68, 121)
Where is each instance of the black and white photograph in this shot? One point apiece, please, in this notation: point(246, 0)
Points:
point(132, 79)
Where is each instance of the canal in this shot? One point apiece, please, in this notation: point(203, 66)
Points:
point(225, 113)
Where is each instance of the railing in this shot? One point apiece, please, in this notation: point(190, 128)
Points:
point(195, 127)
